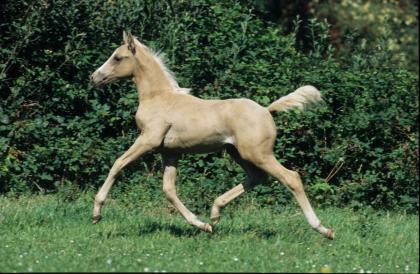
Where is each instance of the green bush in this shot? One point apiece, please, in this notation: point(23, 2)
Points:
point(59, 134)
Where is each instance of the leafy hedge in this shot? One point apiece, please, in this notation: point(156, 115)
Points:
point(58, 133)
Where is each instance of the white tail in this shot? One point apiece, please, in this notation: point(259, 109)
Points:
point(300, 98)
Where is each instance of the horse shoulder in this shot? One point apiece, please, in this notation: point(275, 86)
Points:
point(147, 114)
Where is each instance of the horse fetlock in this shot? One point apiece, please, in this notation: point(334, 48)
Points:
point(215, 219)
point(99, 200)
point(215, 214)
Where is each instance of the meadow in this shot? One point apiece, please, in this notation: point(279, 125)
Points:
point(47, 233)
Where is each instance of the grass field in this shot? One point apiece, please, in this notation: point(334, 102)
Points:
point(44, 233)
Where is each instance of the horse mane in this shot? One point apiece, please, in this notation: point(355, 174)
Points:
point(160, 59)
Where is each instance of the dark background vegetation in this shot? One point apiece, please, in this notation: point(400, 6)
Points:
point(60, 134)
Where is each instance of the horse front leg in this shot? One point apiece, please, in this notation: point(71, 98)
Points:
point(169, 178)
point(142, 145)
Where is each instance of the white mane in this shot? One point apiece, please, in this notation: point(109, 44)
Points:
point(160, 60)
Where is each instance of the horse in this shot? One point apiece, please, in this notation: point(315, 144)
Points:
point(173, 122)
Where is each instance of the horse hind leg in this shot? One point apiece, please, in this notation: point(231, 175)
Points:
point(292, 181)
point(254, 176)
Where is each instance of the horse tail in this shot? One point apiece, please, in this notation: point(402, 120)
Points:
point(300, 98)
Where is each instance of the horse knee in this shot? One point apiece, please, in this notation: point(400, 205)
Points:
point(219, 202)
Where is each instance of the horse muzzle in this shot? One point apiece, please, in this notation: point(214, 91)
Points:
point(99, 79)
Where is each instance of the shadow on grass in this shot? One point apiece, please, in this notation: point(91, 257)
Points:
point(151, 227)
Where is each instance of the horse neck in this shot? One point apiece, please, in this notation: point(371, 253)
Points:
point(149, 77)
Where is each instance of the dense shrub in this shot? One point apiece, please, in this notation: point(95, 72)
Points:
point(58, 133)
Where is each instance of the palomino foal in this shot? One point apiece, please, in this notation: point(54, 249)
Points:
point(174, 122)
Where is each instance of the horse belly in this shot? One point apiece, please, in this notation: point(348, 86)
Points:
point(193, 141)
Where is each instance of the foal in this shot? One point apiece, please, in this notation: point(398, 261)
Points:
point(173, 122)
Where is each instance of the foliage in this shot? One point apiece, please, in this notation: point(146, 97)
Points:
point(393, 21)
point(59, 134)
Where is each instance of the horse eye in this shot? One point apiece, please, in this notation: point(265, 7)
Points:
point(117, 58)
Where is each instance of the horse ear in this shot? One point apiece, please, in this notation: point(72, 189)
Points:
point(129, 41)
point(125, 37)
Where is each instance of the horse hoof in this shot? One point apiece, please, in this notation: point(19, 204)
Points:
point(96, 219)
point(208, 228)
point(330, 234)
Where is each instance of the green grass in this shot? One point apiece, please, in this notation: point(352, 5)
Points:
point(44, 233)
